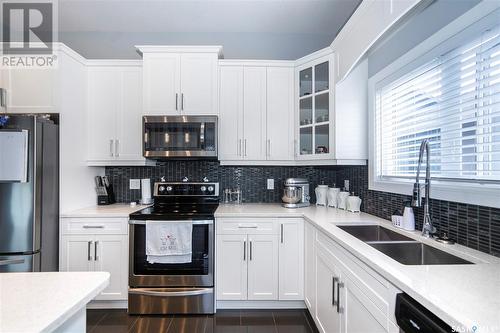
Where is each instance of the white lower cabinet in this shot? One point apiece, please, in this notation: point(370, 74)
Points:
point(259, 259)
point(94, 248)
point(342, 294)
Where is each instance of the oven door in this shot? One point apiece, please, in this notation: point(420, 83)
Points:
point(198, 273)
point(180, 136)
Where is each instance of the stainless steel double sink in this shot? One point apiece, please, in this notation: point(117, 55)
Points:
point(401, 248)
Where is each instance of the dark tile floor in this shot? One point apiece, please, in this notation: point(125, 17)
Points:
point(225, 321)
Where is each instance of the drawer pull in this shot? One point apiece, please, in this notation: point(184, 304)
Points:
point(86, 226)
point(247, 226)
point(89, 256)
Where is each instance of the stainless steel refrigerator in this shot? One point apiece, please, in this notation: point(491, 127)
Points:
point(29, 193)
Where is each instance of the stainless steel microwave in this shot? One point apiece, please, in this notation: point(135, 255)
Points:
point(179, 137)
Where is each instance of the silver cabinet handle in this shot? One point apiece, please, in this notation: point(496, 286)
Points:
point(239, 147)
point(111, 147)
point(87, 226)
point(268, 147)
point(89, 245)
point(338, 296)
point(176, 101)
point(95, 251)
point(244, 250)
point(11, 262)
point(245, 147)
point(281, 233)
point(334, 280)
point(251, 250)
point(182, 101)
point(117, 148)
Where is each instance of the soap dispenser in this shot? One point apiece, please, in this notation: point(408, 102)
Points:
point(408, 217)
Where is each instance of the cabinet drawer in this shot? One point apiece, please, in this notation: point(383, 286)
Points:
point(85, 225)
point(374, 286)
point(249, 226)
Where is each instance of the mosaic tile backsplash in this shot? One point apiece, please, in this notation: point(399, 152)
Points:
point(477, 227)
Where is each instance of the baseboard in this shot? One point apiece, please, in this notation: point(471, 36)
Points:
point(261, 305)
point(107, 305)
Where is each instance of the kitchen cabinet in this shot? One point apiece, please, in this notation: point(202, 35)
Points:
point(259, 259)
point(93, 244)
point(262, 267)
point(310, 267)
point(341, 290)
point(291, 259)
point(180, 80)
point(30, 90)
point(232, 267)
point(256, 112)
point(114, 115)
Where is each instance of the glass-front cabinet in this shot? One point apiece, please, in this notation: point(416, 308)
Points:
point(315, 93)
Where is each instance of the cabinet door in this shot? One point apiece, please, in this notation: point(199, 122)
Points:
point(355, 305)
point(30, 90)
point(198, 84)
point(231, 113)
point(77, 253)
point(104, 91)
point(263, 267)
point(279, 123)
point(129, 120)
point(328, 317)
point(231, 261)
point(310, 268)
point(161, 84)
point(254, 114)
point(291, 259)
point(111, 255)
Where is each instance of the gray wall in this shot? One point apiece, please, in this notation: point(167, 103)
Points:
point(417, 29)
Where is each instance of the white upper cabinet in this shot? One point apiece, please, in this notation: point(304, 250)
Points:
point(180, 80)
point(254, 115)
point(114, 117)
point(256, 112)
point(231, 113)
point(279, 121)
point(161, 83)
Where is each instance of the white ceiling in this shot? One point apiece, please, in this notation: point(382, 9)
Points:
point(259, 28)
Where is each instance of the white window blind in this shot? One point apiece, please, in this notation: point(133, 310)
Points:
point(454, 101)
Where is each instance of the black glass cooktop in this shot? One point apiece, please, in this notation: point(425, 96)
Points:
point(175, 212)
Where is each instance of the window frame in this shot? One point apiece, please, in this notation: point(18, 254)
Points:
point(476, 20)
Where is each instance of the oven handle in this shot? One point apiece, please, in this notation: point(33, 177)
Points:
point(177, 221)
point(149, 292)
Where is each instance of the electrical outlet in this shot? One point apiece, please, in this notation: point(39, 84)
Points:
point(270, 184)
point(346, 185)
point(135, 184)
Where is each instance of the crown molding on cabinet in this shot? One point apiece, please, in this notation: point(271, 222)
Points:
point(114, 62)
point(313, 56)
point(180, 49)
point(250, 62)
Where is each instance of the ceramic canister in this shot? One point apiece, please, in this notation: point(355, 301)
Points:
point(353, 203)
point(321, 193)
point(333, 193)
point(342, 200)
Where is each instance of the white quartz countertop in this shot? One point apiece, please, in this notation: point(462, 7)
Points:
point(41, 302)
point(464, 296)
point(114, 210)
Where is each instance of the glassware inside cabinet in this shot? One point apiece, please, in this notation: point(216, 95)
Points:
point(306, 113)
point(321, 110)
point(321, 139)
point(321, 77)
point(306, 139)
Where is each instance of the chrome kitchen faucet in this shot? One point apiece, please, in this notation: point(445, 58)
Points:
point(427, 228)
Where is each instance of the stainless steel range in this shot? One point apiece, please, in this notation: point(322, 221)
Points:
point(158, 288)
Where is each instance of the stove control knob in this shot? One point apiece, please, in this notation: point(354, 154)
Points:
point(161, 188)
point(210, 189)
point(203, 188)
point(169, 188)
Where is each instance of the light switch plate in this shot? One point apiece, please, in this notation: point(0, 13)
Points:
point(270, 184)
point(135, 184)
point(346, 185)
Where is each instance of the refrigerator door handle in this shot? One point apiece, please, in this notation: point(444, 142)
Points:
point(11, 262)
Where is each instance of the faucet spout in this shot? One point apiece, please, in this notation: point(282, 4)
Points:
point(427, 227)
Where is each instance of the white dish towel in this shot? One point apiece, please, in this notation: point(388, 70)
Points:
point(169, 242)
